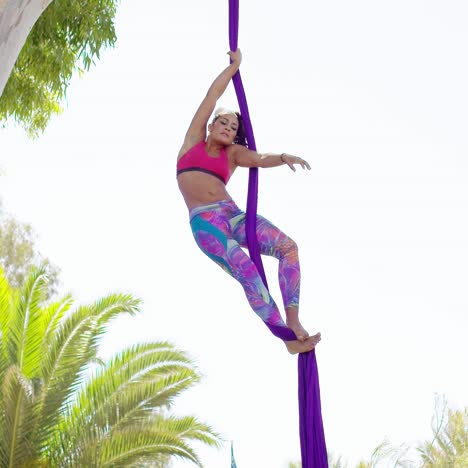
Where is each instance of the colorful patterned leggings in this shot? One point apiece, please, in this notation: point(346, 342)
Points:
point(219, 230)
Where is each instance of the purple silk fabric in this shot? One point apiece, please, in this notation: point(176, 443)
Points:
point(313, 447)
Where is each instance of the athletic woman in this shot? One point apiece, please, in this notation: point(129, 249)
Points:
point(204, 166)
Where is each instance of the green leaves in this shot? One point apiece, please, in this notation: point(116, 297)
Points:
point(18, 253)
point(17, 406)
point(55, 412)
point(125, 401)
point(23, 340)
point(449, 446)
point(72, 347)
point(69, 36)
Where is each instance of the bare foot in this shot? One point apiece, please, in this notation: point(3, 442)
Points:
point(300, 332)
point(297, 346)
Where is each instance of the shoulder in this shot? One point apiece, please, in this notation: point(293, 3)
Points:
point(233, 150)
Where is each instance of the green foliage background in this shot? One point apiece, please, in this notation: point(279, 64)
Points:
point(18, 252)
point(62, 405)
point(68, 37)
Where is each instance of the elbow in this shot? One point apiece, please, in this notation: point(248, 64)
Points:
point(262, 161)
point(249, 164)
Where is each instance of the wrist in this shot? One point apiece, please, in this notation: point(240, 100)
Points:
point(282, 158)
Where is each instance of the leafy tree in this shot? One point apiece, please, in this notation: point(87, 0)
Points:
point(18, 252)
point(60, 405)
point(69, 36)
point(449, 447)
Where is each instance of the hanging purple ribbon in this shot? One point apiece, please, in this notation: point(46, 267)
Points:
point(313, 447)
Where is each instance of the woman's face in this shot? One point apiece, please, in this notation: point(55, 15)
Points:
point(224, 129)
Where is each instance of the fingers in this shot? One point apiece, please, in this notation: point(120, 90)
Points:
point(304, 164)
point(236, 56)
point(296, 160)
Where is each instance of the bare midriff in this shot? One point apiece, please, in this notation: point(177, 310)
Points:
point(199, 188)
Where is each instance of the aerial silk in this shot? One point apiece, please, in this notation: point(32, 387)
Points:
point(313, 447)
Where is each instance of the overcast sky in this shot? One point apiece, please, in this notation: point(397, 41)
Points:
point(373, 94)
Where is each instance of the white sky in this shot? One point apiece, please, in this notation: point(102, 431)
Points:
point(373, 94)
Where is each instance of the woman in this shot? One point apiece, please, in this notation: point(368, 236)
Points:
point(204, 166)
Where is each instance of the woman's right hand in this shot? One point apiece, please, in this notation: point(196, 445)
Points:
point(236, 56)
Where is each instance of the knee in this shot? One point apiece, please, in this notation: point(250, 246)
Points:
point(289, 248)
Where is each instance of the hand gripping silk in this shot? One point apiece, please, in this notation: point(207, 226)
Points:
point(313, 447)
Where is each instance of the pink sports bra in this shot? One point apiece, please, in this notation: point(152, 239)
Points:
point(197, 159)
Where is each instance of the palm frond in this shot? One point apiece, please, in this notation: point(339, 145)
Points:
point(115, 402)
point(23, 339)
point(3, 353)
point(6, 300)
point(51, 316)
point(128, 391)
point(6, 293)
point(187, 428)
point(127, 448)
point(74, 345)
point(147, 396)
point(107, 309)
point(140, 363)
point(18, 412)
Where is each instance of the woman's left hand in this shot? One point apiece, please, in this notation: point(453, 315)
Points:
point(291, 160)
point(236, 56)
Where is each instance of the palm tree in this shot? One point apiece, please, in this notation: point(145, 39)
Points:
point(62, 406)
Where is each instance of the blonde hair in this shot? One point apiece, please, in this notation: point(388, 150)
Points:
point(224, 111)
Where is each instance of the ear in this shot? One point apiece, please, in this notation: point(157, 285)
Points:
point(210, 126)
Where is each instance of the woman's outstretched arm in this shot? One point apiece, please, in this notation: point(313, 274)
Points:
point(244, 157)
point(197, 129)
